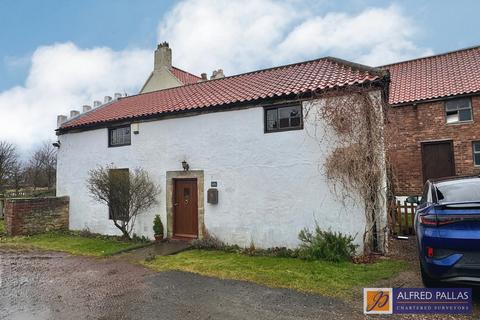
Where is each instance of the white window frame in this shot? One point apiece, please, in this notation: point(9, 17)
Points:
point(475, 152)
point(454, 116)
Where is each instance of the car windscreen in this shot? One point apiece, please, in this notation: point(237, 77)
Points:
point(458, 190)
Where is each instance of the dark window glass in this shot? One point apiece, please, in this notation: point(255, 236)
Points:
point(458, 110)
point(119, 194)
point(283, 118)
point(119, 136)
point(465, 115)
point(476, 152)
point(459, 190)
point(271, 119)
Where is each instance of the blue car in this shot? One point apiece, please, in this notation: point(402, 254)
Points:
point(447, 224)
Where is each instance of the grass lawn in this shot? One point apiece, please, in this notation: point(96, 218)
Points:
point(2, 227)
point(326, 278)
point(70, 243)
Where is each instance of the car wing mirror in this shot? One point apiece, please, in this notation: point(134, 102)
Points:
point(413, 199)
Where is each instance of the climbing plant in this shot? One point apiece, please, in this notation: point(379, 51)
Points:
point(354, 122)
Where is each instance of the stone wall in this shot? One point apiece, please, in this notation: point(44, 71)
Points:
point(27, 216)
point(426, 122)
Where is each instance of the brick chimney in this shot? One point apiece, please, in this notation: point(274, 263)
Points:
point(163, 56)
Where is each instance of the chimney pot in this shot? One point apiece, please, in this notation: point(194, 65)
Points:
point(97, 103)
point(117, 95)
point(74, 113)
point(86, 108)
point(204, 76)
point(163, 56)
point(217, 74)
point(107, 99)
point(61, 119)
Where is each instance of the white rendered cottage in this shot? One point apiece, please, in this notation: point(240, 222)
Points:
point(248, 136)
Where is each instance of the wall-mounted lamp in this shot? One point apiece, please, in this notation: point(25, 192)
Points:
point(185, 165)
point(56, 144)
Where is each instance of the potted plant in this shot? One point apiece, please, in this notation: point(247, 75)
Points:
point(158, 228)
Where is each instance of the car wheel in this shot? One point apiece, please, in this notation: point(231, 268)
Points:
point(428, 281)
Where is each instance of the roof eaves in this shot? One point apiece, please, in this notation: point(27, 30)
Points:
point(436, 98)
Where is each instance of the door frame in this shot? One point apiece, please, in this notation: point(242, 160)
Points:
point(174, 194)
point(169, 197)
point(445, 141)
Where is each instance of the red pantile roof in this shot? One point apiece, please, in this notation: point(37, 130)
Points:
point(184, 76)
point(269, 83)
point(433, 77)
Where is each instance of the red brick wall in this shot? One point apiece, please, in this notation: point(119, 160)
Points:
point(36, 215)
point(426, 122)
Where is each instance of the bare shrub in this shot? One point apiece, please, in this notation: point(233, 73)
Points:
point(126, 195)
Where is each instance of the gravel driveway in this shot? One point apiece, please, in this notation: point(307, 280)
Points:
point(40, 285)
point(47, 285)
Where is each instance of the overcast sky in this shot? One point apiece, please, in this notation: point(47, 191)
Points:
point(58, 55)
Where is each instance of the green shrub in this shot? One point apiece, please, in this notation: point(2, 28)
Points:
point(325, 245)
point(281, 252)
point(138, 238)
point(157, 225)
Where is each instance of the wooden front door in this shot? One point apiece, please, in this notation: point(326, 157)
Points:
point(185, 203)
point(437, 160)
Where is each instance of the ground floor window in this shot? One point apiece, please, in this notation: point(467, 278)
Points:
point(119, 189)
point(476, 153)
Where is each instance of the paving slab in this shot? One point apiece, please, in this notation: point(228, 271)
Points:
point(162, 248)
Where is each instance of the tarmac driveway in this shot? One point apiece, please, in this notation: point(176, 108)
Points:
point(40, 285)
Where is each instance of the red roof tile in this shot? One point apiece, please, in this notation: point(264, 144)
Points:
point(184, 76)
point(275, 82)
point(438, 76)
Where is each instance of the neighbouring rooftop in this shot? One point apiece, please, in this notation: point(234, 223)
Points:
point(438, 76)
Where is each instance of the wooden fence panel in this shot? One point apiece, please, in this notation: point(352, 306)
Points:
point(403, 218)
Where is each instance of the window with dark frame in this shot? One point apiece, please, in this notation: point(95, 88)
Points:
point(118, 197)
point(119, 136)
point(283, 118)
point(476, 153)
point(458, 110)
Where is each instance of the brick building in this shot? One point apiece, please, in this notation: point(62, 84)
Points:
point(435, 115)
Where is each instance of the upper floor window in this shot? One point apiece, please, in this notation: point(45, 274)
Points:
point(119, 136)
point(476, 153)
point(283, 118)
point(458, 110)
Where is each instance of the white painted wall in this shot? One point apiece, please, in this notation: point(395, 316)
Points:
point(270, 185)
